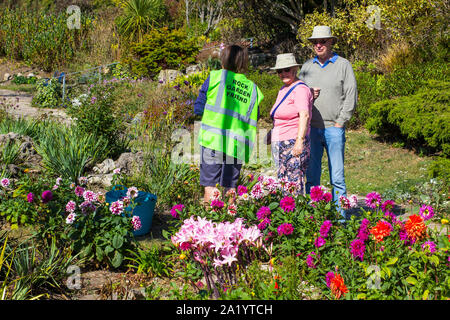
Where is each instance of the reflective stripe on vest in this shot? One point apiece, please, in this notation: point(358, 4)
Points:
point(230, 118)
point(228, 133)
point(218, 109)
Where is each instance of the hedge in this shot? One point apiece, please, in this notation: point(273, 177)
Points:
point(421, 119)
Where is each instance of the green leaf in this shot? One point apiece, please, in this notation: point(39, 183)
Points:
point(117, 260)
point(413, 269)
point(361, 296)
point(109, 249)
point(434, 260)
point(392, 261)
point(273, 205)
point(117, 241)
point(425, 295)
point(99, 253)
point(411, 280)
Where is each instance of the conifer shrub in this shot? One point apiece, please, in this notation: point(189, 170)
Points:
point(421, 119)
point(161, 49)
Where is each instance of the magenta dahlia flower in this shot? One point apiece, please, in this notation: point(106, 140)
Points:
point(47, 196)
point(287, 204)
point(285, 229)
point(373, 200)
point(357, 248)
point(263, 212)
point(325, 228)
point(176, 210)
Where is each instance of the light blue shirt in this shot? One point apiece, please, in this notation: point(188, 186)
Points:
point(332, 59)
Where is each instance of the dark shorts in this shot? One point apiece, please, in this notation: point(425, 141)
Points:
point(218, 168)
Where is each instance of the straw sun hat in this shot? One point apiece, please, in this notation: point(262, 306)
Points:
point(285, 60)
point(321, 32)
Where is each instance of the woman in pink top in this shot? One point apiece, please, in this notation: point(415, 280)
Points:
point(291, 115)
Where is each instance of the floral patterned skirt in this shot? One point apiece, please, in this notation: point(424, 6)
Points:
point(291, 168)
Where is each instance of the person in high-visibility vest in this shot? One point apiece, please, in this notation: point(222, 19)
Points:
point(228, 103)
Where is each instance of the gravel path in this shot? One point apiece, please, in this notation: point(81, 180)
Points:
point(22, 107)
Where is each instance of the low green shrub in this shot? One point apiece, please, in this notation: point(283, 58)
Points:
point(23, 80)
point(402, 81)
point(422, 119)
point(95, 113)
point(440, 169)
point(162, 49)
point(48, 94)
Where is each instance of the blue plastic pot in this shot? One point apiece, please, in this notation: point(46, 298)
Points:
point(144, 209)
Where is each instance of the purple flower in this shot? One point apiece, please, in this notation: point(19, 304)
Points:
point(263, 224)
point(387, 206)
point(373, 200)
point(30, 197)
point(329, 277)
point(429, 246)
point(136, 223)
point(426, 212)
point(217, 205)
point(87, 207)
point(285, 228)
point(287, 204)
point(47, 196)
point(71, 206)
point(319, 242)
point(263, 212)
point(316, 193)
point(357, 248)
point(176, 210)
point(363, 232)
point(93, 99)
point(325, 228)
point(4, 182)
point(310, 260)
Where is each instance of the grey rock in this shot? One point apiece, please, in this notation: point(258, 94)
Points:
point(168, 75)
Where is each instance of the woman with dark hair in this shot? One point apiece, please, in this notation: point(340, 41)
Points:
point(228, 103)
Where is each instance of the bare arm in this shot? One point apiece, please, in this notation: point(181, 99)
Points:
point(302, 129)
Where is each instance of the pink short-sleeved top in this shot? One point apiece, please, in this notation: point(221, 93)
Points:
point(287, 115)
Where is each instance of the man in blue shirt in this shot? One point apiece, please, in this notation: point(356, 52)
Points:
point(332, 76)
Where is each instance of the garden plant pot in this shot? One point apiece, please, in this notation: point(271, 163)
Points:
point(144, 209)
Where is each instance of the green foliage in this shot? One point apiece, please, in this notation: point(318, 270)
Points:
point(440, 169)
point(94, 114)
point(150, 261)
point(269, 84)
point(422, 118)
point(418, 23)
point(403, 80)
point(39, 37)
point(139, 16)
point(48, 94)
point(67, 151)
point(162, 49)
point(23, 80)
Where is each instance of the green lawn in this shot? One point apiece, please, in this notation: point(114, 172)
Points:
point(371, 165)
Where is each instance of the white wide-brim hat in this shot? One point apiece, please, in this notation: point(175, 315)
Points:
point(321, 32)
point(285, 60)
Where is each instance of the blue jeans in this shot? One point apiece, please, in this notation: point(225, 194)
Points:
point(333, 140)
